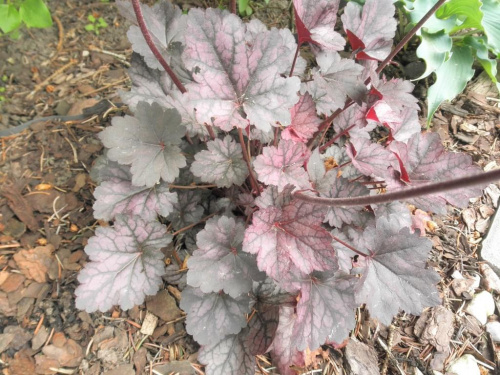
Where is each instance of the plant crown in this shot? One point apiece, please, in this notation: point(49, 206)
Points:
point(211, 172)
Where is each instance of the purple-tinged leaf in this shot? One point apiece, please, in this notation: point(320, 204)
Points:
point(126, 264)
point(262, 328)
point(318, 18)
point(167, 26)
point(230, 356)
point(352, 121)
point(271, 197)
point(289, 239)
point(397, 93)
point(148, 85)
point(395, 212)
point(221, 164)
point(283, 350)
point(371, 159)
point(395, 275)
point(370, 31)
point(305, 122)
point(120, 196)
point(187, 211)
point(149, 142)
point(246, 201)
point(332, 186)
point(106, 170)
point(334, 81)
point(237, 76)
point(213, 316)
point(325, 310)
point(219, 263)
point(316, 167)
point(408, 126)
point(283, 165)
point(425, 160)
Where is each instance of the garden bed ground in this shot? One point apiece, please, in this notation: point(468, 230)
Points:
point(46, 219)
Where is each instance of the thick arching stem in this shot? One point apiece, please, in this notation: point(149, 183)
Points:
point(150, 43)
point(404, 194)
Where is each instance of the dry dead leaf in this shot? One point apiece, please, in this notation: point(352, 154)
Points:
point(35, 263)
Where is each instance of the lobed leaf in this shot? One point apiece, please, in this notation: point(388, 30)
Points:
point(370, 30)
point(238, 74)
point(149, 142)
point(213, 316)
point(371, 159)
point(219, 263)
point(126, 264)
point(231, 356)
point(283, 165)
point(315, 22)
point(289, 240)
point(221, 164)
point(394, 276)
point(262, 328)
point(425, 160)
point(304, 123)
point(325, 310)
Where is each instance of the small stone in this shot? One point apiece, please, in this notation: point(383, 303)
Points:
point(149, 324)
point(493, 328)
point(491, 279)
point(481, 306)
point(465, 365)
point(490, 245)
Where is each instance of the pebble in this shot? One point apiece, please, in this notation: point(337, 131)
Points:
point(489, 250)
point(491, 279)
point(481, 306)
point(465, 365)
point(493, 328)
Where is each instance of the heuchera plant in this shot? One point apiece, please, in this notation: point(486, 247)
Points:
point(262, 175)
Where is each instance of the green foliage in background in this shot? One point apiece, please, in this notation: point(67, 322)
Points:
point(15, 13)
point(459, 33)
point(95, 24)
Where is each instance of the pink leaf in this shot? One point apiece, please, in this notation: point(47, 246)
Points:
point(426, 161)
point(126, 264)
point(238, 74)
point(283, 165)
point(325, 310)
point(218, 263)
point(373, 28)
point(305, 122)
point(289, 239)
point(315, 20)
point(395, 275)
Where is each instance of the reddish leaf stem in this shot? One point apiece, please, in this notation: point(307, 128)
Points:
point(246, 156)
point(232, 6)
point(408, 36)
point(295, 59)
point(337, 136)
point(349, 246)
point(405, 194)
point(150, 43)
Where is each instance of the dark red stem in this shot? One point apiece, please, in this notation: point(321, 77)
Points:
point(232, 6)
point(295, 59)
point(405, 194)
point(337, 136)
point(156, 52)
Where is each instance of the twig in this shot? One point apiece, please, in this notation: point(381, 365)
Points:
point(47, 80)
point(246, 156)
